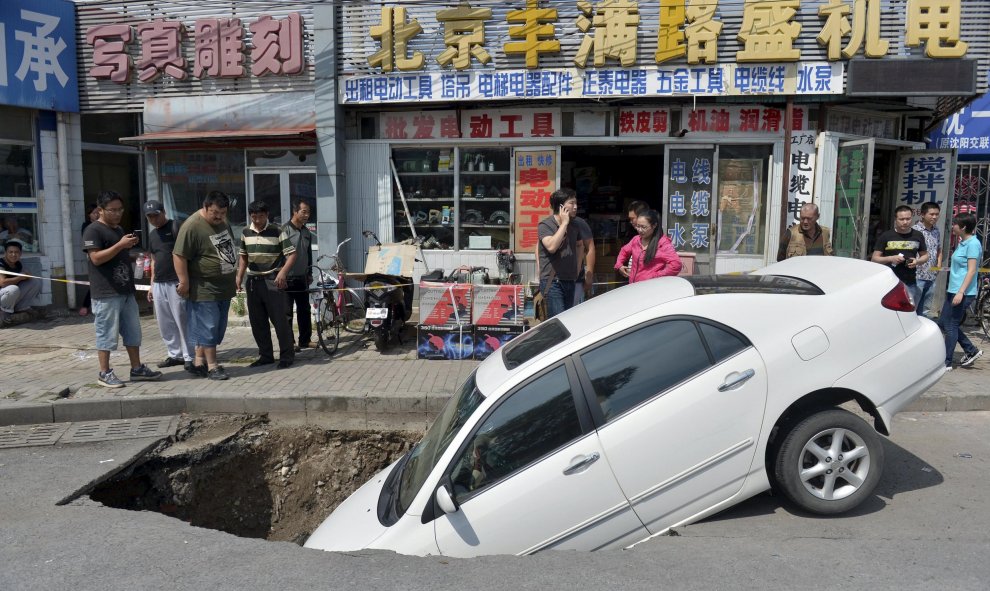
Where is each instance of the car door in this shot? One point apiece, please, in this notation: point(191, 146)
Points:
point(533, 476)
point(680, 405)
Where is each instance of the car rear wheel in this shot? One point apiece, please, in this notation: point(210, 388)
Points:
point(829, 462)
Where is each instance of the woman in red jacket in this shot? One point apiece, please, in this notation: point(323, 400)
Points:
point(650, 254)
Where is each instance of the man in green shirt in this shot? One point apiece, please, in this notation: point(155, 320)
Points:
point(206, 262)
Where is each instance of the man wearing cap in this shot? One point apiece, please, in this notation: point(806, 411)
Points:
point(170, 308)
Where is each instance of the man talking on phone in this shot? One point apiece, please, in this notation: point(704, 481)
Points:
point(558, 252)
point(111, 280)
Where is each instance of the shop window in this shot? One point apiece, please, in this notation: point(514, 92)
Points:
point(108, 128)
point(742, 199)
point(284, 158)
point(187, 177)
point(458, 198)
point(18, 204)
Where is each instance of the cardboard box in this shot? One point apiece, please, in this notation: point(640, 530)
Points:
point(497, 305)
point(445, 304)
point(444, 342)
point(488, 339)
point(391, 259)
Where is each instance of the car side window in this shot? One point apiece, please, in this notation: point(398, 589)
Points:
point(533, 421)
point(722, 343)
point(638, 365)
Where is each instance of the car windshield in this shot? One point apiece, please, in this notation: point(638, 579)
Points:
point(424, 456)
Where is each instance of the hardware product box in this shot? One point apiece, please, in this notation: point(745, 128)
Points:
point(445, 304)
point(444, 342)
point(488, 339)
point(498, 305)
point(391, 259)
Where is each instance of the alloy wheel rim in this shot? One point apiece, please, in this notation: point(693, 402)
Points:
point(834, 464)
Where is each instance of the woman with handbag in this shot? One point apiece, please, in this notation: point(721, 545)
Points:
point(650, 253)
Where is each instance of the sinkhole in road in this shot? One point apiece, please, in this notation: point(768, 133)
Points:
point(250, 477)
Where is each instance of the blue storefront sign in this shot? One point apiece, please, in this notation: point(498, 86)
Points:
point(38, 55)
point(967, 130)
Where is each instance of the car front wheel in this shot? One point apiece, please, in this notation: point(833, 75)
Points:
point(829, 462)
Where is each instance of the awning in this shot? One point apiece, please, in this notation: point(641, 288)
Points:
point(224, 135)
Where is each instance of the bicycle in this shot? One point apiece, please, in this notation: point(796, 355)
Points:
point(337, 306)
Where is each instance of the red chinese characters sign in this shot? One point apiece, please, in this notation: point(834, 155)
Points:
point(510, 123)
point(536, 180)
point(219, 49)
point(419, 125)
point(652, 122)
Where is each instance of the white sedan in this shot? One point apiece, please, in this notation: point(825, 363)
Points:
point(654, 406)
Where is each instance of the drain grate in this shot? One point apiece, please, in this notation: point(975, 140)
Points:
point(122, 429)
point(31, 435)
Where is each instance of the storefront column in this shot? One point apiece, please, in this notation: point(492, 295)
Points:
point(331, 205)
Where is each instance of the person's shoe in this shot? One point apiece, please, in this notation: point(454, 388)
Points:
point(969, 360)
point(196, 370)
point(108, 379)
point(144, 374)
point(217, 373)
point(285, 362)
point(172, 362)
point(948, 368)
point(261, 361)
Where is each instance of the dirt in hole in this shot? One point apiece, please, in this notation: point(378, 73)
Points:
point(251, 477)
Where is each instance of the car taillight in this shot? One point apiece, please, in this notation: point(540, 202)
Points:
point(898, 299)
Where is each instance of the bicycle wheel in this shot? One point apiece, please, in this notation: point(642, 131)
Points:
point(983, 313)
point(327, 327)
point(352, 311)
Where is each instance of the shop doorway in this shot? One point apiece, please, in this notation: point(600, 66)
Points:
point(607, 179)
point(279, 188)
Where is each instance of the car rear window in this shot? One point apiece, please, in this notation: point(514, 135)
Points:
point(523, 348)
point(781, 284)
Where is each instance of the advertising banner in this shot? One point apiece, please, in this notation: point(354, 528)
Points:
point(38, 55)
point(536, 180)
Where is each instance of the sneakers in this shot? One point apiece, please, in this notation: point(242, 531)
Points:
point(969, 360)
point(948, 368)
point(196, 370)
point(217, 373)
point(144, 374)
point(171, 361)
point(108, 379)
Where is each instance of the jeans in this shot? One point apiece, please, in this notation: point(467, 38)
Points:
point(206, 322)
point(951, 318)
point(559, 296)
point(116, 316)
point(924, 292)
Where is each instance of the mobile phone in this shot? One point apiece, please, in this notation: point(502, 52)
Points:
point(135, 232)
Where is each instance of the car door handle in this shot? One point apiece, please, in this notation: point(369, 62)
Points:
point(737, 379)
point(580, 463)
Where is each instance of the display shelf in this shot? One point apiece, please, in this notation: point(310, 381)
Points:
point(504, 173)
point(498, 226)
point(484, 199)
point(430, 199)
point(441, 173)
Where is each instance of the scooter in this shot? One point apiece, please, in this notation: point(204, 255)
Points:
point(388, 304)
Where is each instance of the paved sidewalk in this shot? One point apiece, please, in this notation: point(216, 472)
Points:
point(48, 372)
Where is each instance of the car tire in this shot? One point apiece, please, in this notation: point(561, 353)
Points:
point(812, 476)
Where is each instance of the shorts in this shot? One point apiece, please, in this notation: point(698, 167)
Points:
point(207, 322)
point(116, 316)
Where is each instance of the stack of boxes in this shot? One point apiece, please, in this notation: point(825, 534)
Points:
point(444, 330)
point(497, 316)
point(461, 321)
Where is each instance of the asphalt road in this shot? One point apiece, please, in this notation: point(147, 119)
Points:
point(927, 528)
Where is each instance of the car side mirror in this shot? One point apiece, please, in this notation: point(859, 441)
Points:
point(445, 501)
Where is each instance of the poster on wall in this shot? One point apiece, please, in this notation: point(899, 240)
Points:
point(801, 179)
point(535, 181)
point(689, 199)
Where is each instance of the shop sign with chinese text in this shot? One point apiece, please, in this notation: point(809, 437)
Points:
point(38, 55)
point(536, 180)
point(602, 48)
point(655, 122)
point(923, 177)
point(967, 130)
point(689, 198)
point(801, 182)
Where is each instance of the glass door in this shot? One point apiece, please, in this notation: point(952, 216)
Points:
point(689, 217)
point(853, 181)
point(279, 189)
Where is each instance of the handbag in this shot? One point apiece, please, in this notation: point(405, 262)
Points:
point(540, 301)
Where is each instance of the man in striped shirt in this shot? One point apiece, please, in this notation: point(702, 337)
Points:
point(266, 255)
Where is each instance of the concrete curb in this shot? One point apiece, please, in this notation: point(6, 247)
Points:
point(410, 412)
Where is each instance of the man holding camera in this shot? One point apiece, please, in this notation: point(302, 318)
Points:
point(904, 249)
point(111, 280)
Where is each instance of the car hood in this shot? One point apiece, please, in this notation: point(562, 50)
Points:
point(354, 524)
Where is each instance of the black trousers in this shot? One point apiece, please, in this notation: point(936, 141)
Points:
point(296, 294)
point(266, 303)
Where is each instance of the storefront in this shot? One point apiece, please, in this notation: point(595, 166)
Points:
point(38, 99)
point(216, 98)
point(460, 120)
